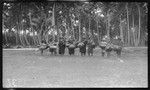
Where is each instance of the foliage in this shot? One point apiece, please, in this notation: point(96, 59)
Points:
point(97, 18)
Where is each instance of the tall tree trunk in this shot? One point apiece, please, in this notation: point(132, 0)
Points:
point(89, 26)
point(46, 37)
point(17, 37)
point(26, 40)
point(34, 39)
point(20, 35)
point(25, 37)
point(19, 28)
point(5, 38)
point(139, 31)
point(57, 26)
point(128, 24)
point(32, 29)
point(106, 27)
point(108, 24)
point(121, 32)
point(5, 34)
point(37, 37)
point(73, 29)
point(46, 31)
point(53, 21)
point(41, 32)
point(133, 30)
point(92, 31)
point(24, 43)
point(19, 25)
point(98, 32)
point(80, 27)
point(66, 31)
point(72, 26)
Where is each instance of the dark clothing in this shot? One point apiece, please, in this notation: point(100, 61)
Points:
point(71, 49)
point(53, 49)
point(61, 47)
point(43, 47)
point(82, 47)
point(103, 45)
point(90, 46)
point(115, 45)
point(108, 49)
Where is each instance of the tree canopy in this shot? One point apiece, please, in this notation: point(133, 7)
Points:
point(51, 20)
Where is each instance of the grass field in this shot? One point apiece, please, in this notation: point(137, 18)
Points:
point(27, 68)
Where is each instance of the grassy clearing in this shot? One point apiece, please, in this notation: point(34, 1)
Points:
point(27, 68)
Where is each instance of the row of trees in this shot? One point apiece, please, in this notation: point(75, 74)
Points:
point(28, 23)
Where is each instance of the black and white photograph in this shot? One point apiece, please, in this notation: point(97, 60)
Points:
point(74, 44)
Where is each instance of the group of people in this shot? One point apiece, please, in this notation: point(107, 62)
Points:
point(85, 46)
point(108, 45)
